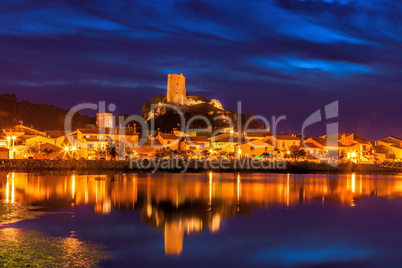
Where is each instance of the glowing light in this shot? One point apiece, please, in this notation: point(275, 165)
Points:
point(73, 148)
point(288, 152)
point(14, 137)
point(66, 148)
point(7, 191)
point(287, 190)
point(8, 138)
point(238, 188)
point(353, 154)
point(210, 151)
point(73, 187)
point(210, 188)
point(216, 222)
point(353, 182)
point(12, 189)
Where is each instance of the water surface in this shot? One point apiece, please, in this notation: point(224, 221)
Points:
point(201, 219)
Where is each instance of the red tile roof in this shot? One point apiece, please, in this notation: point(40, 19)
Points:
point(197, 138)
point(168, 136)
point(286, 137)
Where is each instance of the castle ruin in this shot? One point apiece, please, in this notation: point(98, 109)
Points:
point(176, 89)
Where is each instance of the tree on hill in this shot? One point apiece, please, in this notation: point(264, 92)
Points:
point(39, 116)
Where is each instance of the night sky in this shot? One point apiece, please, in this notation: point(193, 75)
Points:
point(284, 57)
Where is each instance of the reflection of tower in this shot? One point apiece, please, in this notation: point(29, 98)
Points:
point(176, 89)
point(174, 233)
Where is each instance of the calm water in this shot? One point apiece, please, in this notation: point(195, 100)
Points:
point(201, 220)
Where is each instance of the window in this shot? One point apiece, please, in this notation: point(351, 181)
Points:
point(202, 145)
point(283, 144)
point(177, 84)
point(251, 148)
point(168, 142)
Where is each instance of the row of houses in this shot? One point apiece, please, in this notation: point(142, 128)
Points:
point(98, 142)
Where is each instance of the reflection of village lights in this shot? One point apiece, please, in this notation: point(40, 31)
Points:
point(73, 186)
point(12, 189)
point(149, 210)
point(210, 188)
point(7, 190)
point(216, 222)
point(238, 188)
point(353, 182)
point(287, 190)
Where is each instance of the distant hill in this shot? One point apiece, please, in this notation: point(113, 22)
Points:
point(168, 119)
point(39, 116)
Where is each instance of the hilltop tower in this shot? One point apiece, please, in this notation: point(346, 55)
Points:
point(176, 89)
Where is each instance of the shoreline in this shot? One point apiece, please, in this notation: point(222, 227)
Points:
point(108, 166)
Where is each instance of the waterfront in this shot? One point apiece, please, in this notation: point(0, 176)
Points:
point(207, 219)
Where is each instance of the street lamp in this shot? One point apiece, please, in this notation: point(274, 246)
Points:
point(8, 139)
point(13, 137)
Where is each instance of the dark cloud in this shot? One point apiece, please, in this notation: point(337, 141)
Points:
point(279, 57)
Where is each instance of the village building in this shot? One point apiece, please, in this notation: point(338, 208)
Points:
point(168, 140)
point(195, 143)
point(283, 141)
point(254, 148)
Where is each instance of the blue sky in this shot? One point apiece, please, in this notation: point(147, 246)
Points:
point(279, 57)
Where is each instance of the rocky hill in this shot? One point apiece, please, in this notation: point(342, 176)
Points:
point(40, 116)
point(168, 119)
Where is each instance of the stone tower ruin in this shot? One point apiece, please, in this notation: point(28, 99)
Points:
point(176, 89)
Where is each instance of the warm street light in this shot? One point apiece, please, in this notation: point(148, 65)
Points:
point(66, 148)
point(13, 137)
point(8, 139)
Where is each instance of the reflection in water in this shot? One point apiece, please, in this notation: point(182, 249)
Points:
point(182, 204)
